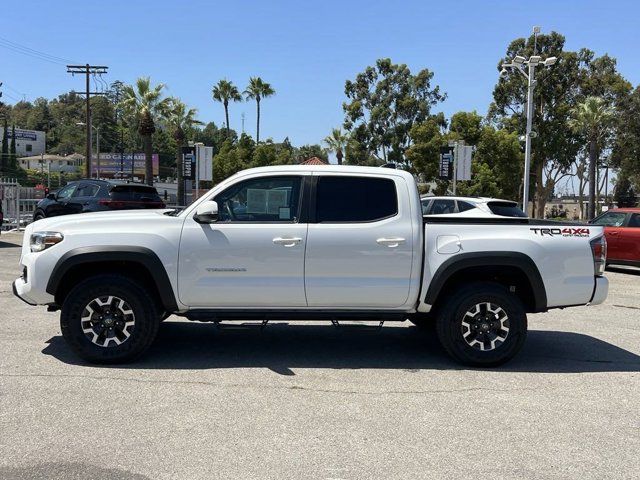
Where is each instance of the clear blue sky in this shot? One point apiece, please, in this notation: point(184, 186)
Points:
point(306, 50)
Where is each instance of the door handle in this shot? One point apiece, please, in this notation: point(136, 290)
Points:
point(391, 242)
point(287, 242)
point(613, 233)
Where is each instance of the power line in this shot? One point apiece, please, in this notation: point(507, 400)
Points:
point(31, 52)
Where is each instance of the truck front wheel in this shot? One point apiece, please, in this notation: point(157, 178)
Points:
point(109, 319)
point(482, 325)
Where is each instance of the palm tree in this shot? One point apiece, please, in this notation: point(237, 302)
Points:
point(181, 120)
point(592, 118)
point(337, 142)
point(145, 103)
point(225, 91)
point(257, 90)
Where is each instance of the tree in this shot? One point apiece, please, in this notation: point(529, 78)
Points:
point(257, 90)
point(424, 154)
point(181, 120)
point(558, 90)
point(337, 142)
point(145, 104)
point(306, 152)
point(383, 104)
point(626, 150)
point(225, 91)
point(592, 119)
point(624, 195)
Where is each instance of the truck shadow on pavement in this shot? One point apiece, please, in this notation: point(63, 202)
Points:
point(8, 245)
point(282, 347)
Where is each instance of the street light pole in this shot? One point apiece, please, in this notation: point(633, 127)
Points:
point(518, 63)
point(531, 83)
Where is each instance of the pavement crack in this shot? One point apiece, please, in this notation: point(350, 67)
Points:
point(272, 387)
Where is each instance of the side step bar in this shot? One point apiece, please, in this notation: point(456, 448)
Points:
point(205, 315)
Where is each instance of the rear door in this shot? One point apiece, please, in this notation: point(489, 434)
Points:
point(359, 242)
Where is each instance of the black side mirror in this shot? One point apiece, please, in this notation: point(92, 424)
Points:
point(52, 196)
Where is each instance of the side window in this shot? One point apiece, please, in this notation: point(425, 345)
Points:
point(464, 206)
point(355, 199)
point(425, 206)
point(634, 221)
point(66, 192)
point(267, 199)
point(86, 190)
point(443, 206)
point(611, 219)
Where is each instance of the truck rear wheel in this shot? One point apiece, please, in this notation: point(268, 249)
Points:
point(109, 319)
point(482, 325)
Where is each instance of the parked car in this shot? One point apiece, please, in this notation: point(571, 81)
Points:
point(470, 206)
point(307, 242)
point(622, 231)
point(95, 196)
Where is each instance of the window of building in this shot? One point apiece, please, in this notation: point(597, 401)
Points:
point(28, 147)
point(355, 199)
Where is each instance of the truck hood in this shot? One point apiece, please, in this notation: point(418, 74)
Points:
point(119, 219)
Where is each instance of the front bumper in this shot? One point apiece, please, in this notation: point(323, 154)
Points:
point(21, 290)
point(600, 291)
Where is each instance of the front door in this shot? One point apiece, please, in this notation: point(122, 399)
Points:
point(613, 222)
point(360, 243)
point(629, 239)
point(254, 255)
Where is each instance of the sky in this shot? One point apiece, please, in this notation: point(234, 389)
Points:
point(305, 50)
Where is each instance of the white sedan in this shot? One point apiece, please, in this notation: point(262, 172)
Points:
point(470, 207)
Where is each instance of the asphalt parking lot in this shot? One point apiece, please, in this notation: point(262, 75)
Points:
point(310, 400)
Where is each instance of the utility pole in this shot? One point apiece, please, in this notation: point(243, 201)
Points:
point(88, 70)
point(242, 122)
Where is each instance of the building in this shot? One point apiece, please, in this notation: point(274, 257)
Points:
point(53, 163)
point(28, 142)
point(314, 161)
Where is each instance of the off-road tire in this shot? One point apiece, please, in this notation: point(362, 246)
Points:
point(138, 299)
point(463, 300)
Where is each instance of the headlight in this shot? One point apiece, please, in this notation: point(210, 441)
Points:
point(42, 240)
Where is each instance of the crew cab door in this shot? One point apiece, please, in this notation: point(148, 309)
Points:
point(613, 222)
point(360, 242)
point(629, 239)
point(253, 256)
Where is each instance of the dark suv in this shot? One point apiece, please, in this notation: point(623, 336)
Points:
point(97, 196)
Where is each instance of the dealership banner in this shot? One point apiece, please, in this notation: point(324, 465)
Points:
point(111, 163)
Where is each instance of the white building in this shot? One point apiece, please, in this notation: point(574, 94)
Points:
point(53, 163)
point(28, 142)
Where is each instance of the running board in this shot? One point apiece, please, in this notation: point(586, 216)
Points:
point(205, 315)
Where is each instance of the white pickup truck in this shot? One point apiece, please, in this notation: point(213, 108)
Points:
point(307, 243)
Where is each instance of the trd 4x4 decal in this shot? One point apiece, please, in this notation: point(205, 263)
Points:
point(563, 232)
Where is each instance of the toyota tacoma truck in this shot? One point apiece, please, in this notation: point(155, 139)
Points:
point(307, 243)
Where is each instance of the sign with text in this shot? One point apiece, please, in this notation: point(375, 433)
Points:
point(188, 163)
point(112, 163)
point(446, 163)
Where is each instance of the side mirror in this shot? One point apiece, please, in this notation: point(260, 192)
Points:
point(207, 212)
point(51, 196)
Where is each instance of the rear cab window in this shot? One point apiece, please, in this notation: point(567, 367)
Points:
point(355, 199)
